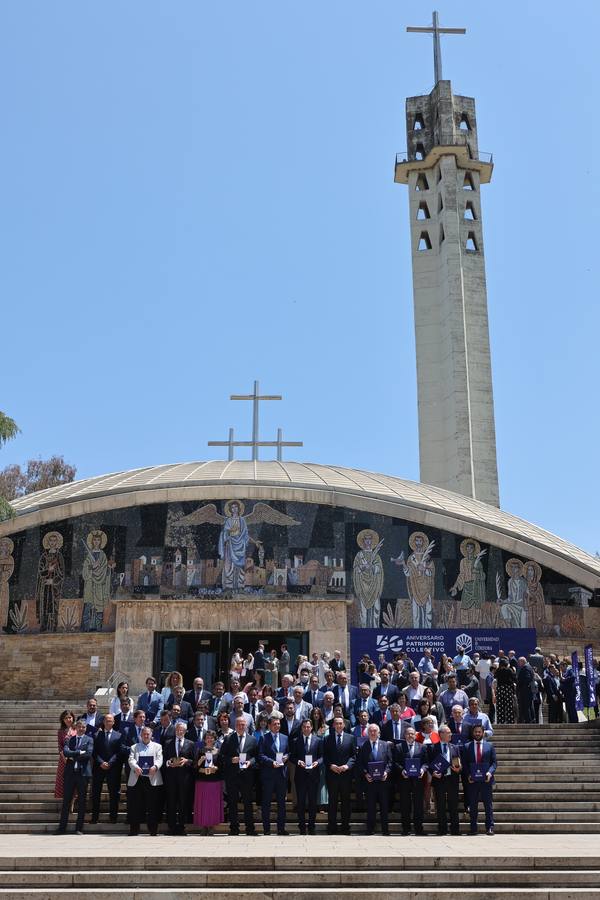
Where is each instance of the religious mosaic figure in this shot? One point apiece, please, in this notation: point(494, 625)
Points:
point(419, 570)
point(513, 610)
point(534, 595)
point(7, 567)
point(97, 576)
point(367, 577)
point(235, 537)
point(51, 575)
point(471, 582)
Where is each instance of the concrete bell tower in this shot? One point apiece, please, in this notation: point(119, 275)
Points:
point(444, 171)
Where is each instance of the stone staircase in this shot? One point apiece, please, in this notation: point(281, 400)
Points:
point(548, 777)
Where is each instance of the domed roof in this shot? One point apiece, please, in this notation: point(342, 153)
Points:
point(309, 482)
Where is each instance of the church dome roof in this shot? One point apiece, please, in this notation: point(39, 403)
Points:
point(308, 482)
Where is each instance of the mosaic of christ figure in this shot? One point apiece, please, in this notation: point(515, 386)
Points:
point(235, 537)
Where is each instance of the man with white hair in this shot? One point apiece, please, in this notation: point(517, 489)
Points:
point(238, 713)
point(145, 761)
point(375, 762)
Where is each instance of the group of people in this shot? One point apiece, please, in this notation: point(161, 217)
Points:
point(410, 734)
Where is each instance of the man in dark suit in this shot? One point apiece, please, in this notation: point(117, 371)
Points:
point(108, 763)
point(411, 787)
point(198, 728)
point(337, 664)
point(78, 771)
point(313, 695)
point(260, 662)
point(274, 753)
point(165, 730)
point(124, 718)
point(392, 729)
point(217, 701)
point(482, 754)
point(536, 661)
point(525, 680)
point(553, 695)
point(290, 725)
point(196, 694)
point(345, 694)
point(385, 687)
point(365, 701)
point(382, 715)
point(445, 784)
point(178, 756)
point(374, 750)
point(306, 753)
point(176, 701)
point(568, 690)
point(239, 755)
point(131, 731)
point(252, 706)
point(93, 719)
point(339, 752)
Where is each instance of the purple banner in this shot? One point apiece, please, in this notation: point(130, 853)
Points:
point(575, 667)
point(590, 674)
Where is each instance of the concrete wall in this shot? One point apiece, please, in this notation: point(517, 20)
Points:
point(54, 665)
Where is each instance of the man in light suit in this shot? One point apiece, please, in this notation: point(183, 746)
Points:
point(197, 694)
point(307, 778)
point(274, 774)
point(78, 771)
point(302, 709)
point(108, 763)
point(375, 750)
point(150, 701)
point(178, 757)
point(238, 713)
point(339, 753)
point(480, 753)
point(142, 790)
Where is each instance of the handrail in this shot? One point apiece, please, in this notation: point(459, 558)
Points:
point(403, 156)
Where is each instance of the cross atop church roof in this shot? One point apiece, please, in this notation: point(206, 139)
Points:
point(255, 443)
point(436, 30)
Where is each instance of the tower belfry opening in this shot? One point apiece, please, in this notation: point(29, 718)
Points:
point(457, 438)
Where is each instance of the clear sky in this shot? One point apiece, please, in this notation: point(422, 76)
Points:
point(198, 194)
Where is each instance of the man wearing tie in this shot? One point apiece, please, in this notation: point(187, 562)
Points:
point(273, 775)
point(124, 718)
point(216, 701)
point(108, 763)
point(383, 715)
point(411, 786)
point(150, 701)
point(480, 756)
point(239, 755)
point(445, 784)
point(178, 756)
point(165, 730)
point(345, 694)
point(374, 750)
point(78, 771)
point(313, 695)
point(251, 706)
point(339, 754)
point(365, 702)
point(307, 755)
point(197, 694)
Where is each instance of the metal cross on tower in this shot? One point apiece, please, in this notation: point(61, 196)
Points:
point(435, 30)
point(255, 443)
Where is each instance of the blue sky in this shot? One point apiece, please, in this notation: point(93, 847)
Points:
point(198, 194)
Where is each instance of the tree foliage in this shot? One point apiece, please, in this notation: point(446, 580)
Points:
point(8, 428)
point(37, 475)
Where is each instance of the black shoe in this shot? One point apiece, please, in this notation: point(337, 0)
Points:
point(251, 833)
point(442, 833)
point(133, 832)
point(283, 833)
point(60, 831)
point(94, 821)
point(472, 833)
point(302, 830)
point(311, 830)
point(420, 833)
point(405, 833)
point(171, 833)
point(346, 831)
point(79, 832)
point(490, 831)
point(153, 833)
point(369, 833)
point(266, 833)
point(113, 820)
point(234, 832)
point(385, 833)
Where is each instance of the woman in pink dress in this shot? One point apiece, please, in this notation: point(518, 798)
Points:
point(66, 731)
point(208, 798)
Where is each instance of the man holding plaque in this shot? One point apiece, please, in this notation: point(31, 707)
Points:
point(445, 765)
point(273, 757)
point(307, 754)
point(145, 780)
point(375, 762)
point(239, 754)
point(178, 757)
point(479, 760)
point(410, 759)
point(339, 752)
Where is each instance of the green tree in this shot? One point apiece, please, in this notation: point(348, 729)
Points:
point(37, 475)
point(8, 430)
